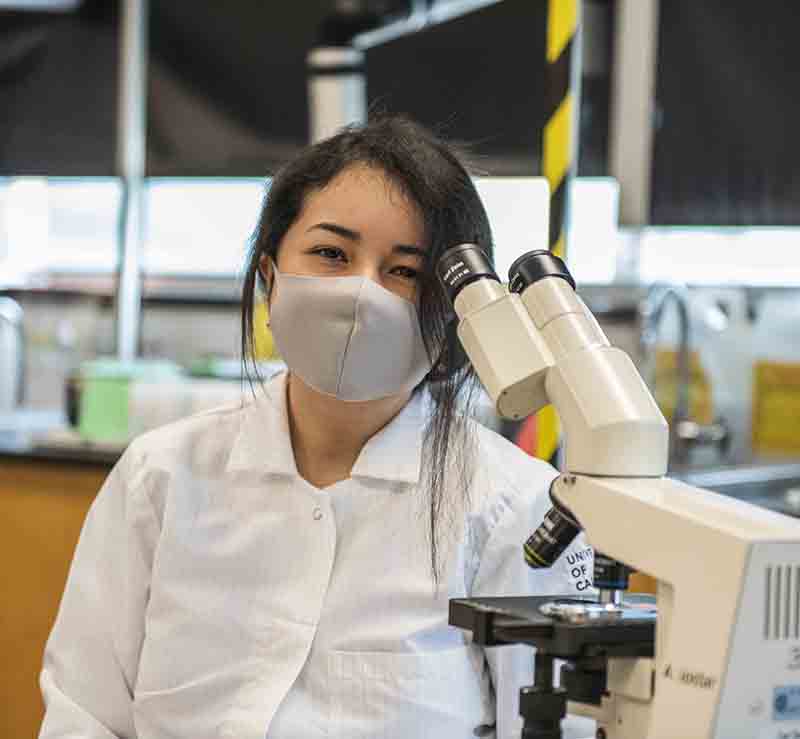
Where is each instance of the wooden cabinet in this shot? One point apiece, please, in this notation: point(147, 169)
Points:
point(42, 507)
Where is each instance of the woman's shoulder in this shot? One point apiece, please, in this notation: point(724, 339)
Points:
point(507, 465)
point(199, 444)
point(180, 457)
point(210, 425)
point(507, 481)
point(509, 497)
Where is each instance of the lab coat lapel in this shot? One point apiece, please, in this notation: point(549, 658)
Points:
point(264, 441)
point(395, 452)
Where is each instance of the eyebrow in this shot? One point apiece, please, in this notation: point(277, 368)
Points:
point(347, 233)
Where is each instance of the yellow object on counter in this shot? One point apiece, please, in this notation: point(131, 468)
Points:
point(264, 343)
point(776, 407)
point(548, 432)
point(701, 408)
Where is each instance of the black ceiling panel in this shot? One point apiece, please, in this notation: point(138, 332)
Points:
point(728, 113)
point(58, 90)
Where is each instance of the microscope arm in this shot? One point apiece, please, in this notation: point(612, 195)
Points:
point(728, 594)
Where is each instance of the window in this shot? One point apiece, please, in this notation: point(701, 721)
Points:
point(721, 256)
point(57, 225)
point(202, 227)
point(199, 226)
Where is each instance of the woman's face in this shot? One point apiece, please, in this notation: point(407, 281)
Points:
point(360, 224)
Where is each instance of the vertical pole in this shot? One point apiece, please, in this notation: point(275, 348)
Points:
point(559, 164)
point(131, 137)
point(337, 90)
point(633, 84)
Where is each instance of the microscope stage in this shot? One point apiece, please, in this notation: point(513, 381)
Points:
point(519, 620)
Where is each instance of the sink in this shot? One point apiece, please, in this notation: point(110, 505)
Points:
point(776, 487)
point(27, 420)
point(17, 428)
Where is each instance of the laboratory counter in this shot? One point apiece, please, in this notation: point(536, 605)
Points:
point(44, 436)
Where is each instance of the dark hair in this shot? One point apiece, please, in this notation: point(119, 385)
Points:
point(431, 174)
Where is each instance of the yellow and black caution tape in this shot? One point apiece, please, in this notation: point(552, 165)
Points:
point(558, 152)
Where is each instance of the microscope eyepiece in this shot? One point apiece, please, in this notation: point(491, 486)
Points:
point(462, 265)
point(534, 266)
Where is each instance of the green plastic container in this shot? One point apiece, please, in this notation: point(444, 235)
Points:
point(105, 392)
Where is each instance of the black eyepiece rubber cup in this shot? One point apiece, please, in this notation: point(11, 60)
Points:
point(534, 266)
point(461, 265)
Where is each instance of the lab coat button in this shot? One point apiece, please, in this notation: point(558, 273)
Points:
point(317, 513)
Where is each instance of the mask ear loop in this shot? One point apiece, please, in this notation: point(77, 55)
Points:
point(269, 283)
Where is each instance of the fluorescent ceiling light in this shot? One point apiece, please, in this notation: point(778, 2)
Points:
point(419, 20)
point(51, 6)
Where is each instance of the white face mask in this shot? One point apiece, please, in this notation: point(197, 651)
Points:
point(347, 336)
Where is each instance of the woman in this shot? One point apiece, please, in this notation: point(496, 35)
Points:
point(283, 568)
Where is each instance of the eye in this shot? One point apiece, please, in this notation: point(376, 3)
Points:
point(407, 273)
point(331, 253)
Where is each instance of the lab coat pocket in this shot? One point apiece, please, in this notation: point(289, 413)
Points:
point(391, 695)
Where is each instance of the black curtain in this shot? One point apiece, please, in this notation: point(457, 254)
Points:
point(58, 90)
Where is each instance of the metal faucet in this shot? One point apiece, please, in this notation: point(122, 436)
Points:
point(685, 432)
point(11, 312)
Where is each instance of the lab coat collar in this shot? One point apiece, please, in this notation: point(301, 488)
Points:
point(264, 441)
point(395, 452)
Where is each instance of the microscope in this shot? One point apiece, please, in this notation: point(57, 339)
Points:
point(716, 653)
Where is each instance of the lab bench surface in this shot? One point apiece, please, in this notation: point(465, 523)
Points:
point(11, 448)
point(43, 436)
point(43, 502)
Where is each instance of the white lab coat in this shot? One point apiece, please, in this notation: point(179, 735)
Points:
point(216, 593)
